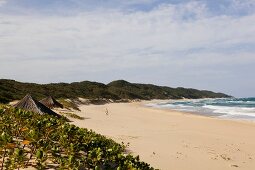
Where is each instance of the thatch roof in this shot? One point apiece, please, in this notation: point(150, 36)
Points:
point(50, 102)
point(30, 104)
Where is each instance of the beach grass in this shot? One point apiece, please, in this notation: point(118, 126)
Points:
point(72, 115)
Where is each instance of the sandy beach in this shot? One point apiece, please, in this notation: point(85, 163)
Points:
point(171, 140)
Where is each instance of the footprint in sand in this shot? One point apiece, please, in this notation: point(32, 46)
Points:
point(236, 166)
point(225, 157)
point(178, 154)
point(153, 154)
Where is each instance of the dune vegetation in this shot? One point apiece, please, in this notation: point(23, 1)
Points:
point(28, 139)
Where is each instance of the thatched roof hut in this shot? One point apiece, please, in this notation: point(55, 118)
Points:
point(50, 102)
point(30, 104)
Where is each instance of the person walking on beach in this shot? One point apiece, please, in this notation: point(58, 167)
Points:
point(106, 111)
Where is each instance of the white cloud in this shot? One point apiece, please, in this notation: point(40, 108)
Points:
point(170, 36)
point(2, 2)
point(132, 2)
point(243, 5)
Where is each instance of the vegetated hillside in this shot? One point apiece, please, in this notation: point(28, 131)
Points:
point(12, 90)
point(125, 89)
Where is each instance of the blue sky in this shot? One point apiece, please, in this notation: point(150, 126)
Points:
point(206, 44)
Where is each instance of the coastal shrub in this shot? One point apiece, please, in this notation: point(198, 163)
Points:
point(12, 90)
point(69, 104)
point(72, 115)
point(42, 141)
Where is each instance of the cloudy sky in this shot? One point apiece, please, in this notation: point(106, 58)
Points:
point(206, 44)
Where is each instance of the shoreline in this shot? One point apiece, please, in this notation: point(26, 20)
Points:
point(169, 139)
point(203, 114)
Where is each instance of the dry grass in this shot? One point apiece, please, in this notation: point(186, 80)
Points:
point(72, 115)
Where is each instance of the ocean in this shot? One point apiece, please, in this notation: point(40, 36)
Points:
point(227, 108)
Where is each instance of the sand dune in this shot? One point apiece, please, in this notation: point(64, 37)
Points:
point(174, 140)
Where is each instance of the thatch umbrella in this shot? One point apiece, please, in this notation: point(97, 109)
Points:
point(30, 104)
point(50, 102)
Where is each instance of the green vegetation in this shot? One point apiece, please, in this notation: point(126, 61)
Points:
point(72, 115)
point(69, 104)
point(12, 90)
point(42, 141)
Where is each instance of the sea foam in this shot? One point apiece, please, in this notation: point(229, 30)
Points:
point(233, 108)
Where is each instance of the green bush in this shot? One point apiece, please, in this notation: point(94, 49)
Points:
point(42, 141)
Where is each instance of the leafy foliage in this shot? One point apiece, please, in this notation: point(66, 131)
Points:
point(72, 115)
point(12, 90)
point(42, 141)
point(69, 104)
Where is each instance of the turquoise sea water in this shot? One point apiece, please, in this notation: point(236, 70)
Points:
point(232, 108)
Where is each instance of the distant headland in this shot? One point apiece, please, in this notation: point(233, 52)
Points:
point(116, 90)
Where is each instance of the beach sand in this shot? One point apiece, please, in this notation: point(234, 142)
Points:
point(171, 140)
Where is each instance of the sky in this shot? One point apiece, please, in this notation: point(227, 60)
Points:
point(203, 44)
